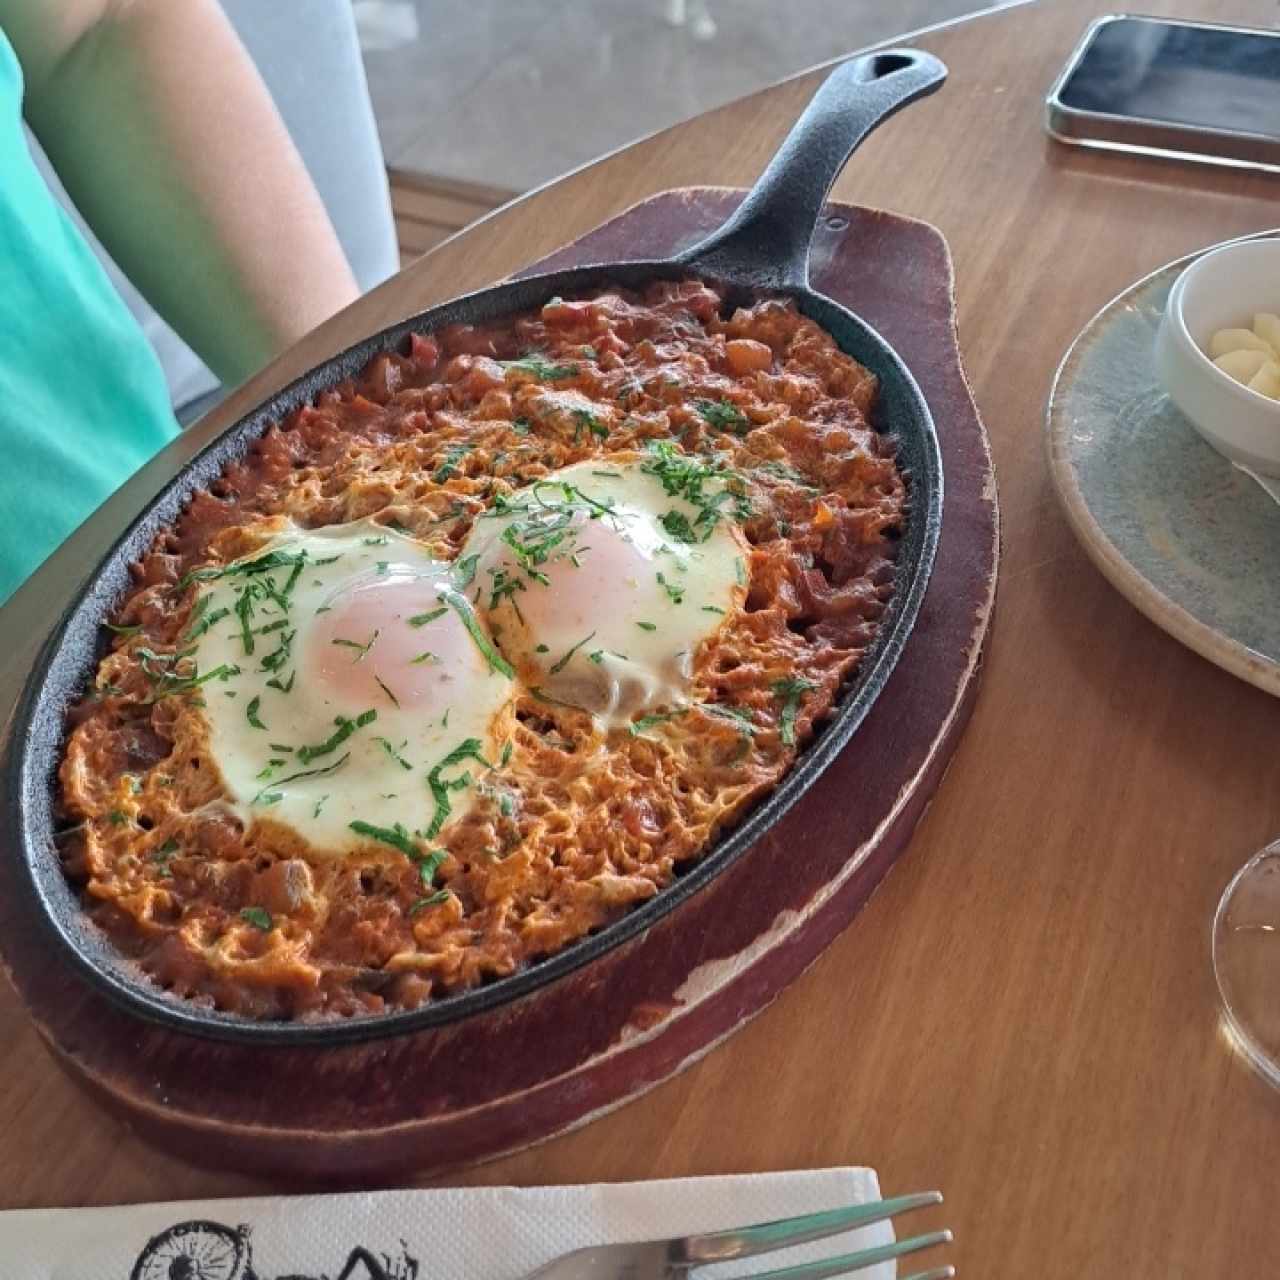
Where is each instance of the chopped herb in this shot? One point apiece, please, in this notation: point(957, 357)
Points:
point(585, 418)
point(259, 917)
point(647, 626)
point(344, 730)
point(394, 700)
point(394, 752)
point(380, 541)
point(520, 426)
point(116, 818)
point(383, 566)
point(506, 754)
point(564, 662)
point(673, 590)
point(464, 570)
point(280, 655)
point(468, 749)
point(723, 415)
point(421, 619)
point(200, 624)
point(251, 713)
point(711, 608)
point(539, 368)
point(273, 797)
point(279, 746)
point(362, 650)
point(676, 523)
point(274, 683)
point(637, 727)
point(315, 813)
point(791, 691)
point(123, 630)
point(543, 696)
point(396, 836)
point(429, 864)
point(449, 466)
point(542, 648)
point(462, 607)
point(432, 901)
point(596, 656)
point(425, 656)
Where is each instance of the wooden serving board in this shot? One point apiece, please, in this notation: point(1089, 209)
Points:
point(615, 1028)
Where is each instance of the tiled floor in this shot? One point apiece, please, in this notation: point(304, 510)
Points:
point(511, 93)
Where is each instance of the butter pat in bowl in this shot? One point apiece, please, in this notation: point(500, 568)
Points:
point(1218, 350)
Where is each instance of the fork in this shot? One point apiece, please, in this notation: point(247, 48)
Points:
point(673, 1259)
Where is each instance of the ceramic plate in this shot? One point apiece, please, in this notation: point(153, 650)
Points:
point(1187, 537)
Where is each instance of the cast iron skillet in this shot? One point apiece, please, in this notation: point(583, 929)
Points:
point(763, 248)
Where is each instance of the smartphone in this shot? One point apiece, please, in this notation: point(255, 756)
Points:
point(1181, 90)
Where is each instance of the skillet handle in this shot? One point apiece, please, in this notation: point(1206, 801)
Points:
point(765, 243)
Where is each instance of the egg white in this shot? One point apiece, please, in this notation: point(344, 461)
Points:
point(625, 642)
point(271, 720)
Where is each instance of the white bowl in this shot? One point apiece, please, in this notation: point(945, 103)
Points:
point(1222, 290)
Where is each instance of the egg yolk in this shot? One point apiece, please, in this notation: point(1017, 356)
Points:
point(597, 574)
point(390, 639)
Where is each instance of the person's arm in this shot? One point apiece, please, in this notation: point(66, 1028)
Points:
point(167, 140)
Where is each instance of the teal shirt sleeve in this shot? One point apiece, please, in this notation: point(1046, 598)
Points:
point(83, 400)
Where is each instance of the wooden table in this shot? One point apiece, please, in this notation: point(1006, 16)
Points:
point(1024, 1015)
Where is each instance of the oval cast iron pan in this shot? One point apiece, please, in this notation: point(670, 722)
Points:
point(762, 249)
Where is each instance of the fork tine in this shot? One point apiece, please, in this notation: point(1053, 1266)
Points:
point(746, 1242)
point(848, 1262)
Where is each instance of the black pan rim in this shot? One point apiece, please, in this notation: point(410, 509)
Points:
point(29, 783)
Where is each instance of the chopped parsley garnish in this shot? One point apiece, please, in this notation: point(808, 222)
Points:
point(428, 865)
point(201, 620)
point(274, 797)
point(434, 900)
point(708, 486)
point(541, 369)
point(287, 687)
point(245, 568)
point(425, 656)
point(421, 619)
point(380, 541)
point(585, 418)
point(123, 630)
point(279, 656)
point(244, 611)
point(711, 608)
point(542, 648)
point(723, 415)
point(506, 754)
point(251, 713)
point(563, 662)
point(637, 727)
point(396, 836)
point(362, 650)
point(259, 917)
point(394, 700)
point(596, 656)
point(394, 752)
point(673, 589)
point(464, 570)
point(449, 466)
point(344, 730)
point(468, 749)
point(791, 691)
point(383, 566)
point(647, 626)
point(462, 607)
point(315, 813)
point(520, 426)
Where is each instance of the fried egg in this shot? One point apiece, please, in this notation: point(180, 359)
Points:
point(600, 580)
point(348, 685)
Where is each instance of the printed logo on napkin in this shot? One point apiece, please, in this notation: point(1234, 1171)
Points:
point(205, 1250)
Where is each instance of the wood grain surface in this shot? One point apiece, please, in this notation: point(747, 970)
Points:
point(1024, 1015)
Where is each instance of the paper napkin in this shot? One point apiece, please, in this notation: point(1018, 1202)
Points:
point(486, 1233)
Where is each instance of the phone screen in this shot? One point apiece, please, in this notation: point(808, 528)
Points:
point(1221, 80)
